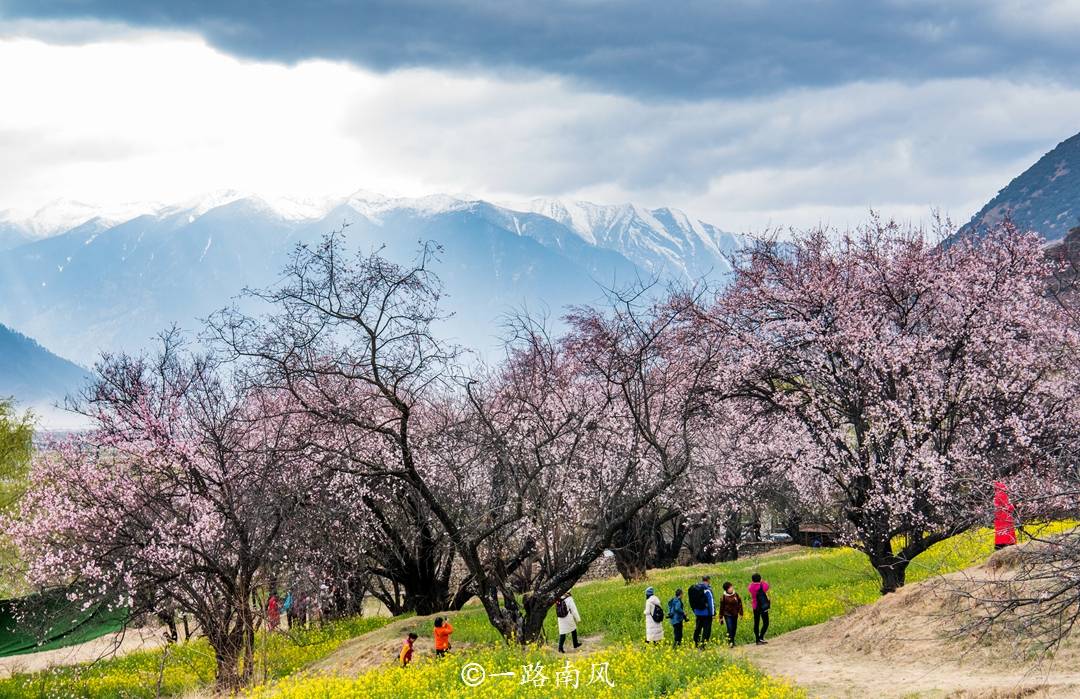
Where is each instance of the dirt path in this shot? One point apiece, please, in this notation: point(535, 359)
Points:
point(907, 645)
point(832, 674)
point(381, 647)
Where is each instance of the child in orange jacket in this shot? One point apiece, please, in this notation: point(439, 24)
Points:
point(443, 629)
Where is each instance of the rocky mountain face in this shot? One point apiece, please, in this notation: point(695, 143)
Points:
point(1044, 198)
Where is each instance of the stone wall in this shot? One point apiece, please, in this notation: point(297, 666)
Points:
point(601, 569)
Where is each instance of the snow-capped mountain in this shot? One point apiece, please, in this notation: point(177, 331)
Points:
point(62, 215)
point(108, 285)
point(660, 241)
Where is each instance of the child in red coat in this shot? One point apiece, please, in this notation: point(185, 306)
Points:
point(405, 656)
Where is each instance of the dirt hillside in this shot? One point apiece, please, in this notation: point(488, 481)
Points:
point(912, 644)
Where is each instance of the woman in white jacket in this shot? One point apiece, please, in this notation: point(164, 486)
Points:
point(654, 630)
point(567, 615)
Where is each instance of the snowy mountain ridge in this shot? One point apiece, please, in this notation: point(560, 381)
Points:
point(111, 286)
point(652, 238)
point(61, 215)
point(668, 233)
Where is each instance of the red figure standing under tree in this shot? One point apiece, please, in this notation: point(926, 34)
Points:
point(1004, 522)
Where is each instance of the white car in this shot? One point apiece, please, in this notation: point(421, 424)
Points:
point(779, 537)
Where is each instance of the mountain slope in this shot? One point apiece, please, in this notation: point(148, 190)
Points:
point(1044, 198)
point(32, 374)
point(111, 286)
point(664, 242)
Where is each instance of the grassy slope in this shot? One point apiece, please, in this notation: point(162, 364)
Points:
point(187, 667)
point(808, 587)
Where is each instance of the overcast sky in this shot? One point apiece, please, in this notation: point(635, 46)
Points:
point(747, 114)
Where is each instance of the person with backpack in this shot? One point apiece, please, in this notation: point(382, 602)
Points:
point(654, 617)
point(701, 601)
point(443, 629)
point(760, 603)
point(566, 614)
point(731, 607)
point(677, 614)
point(405, 656)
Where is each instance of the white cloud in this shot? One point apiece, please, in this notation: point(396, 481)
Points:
point(163, 117)
point(1058, 20)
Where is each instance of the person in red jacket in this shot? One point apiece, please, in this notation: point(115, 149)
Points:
point(1004, 522)
point(273, 612)
point(405, 656)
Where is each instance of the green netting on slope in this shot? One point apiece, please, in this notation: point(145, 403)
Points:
point(48, 620)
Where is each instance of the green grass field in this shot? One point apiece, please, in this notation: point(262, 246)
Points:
point(186, 667)
point(808, 587)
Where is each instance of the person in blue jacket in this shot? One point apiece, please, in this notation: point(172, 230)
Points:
point(677, 614)
point(701, 601)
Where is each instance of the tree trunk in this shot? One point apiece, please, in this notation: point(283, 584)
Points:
point(792, 523)
point(168, 618)
point(755, 522)
point(631, 568)
point(890, 567)
point(231, 633)
point(429, 598)
point(247, 633)
point(506, 618)
point(532, 624)
point(728, 550)
point(892, 576)
point(461, 597)
point(228, 647)
point(666, 552)
point(631, 545)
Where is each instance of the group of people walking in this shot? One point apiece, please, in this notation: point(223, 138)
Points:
point(704, 608)
point(701, 605)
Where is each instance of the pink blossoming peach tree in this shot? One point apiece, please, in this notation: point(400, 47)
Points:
point(916, 374)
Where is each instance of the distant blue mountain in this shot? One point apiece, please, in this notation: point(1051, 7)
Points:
point(110, 286)
point(32, 374)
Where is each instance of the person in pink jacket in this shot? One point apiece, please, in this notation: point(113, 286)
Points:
point(760, 602)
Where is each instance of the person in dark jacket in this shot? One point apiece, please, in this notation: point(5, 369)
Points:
point(731, 607)
point(677, 614)
point(760, 602)
point(703, 617)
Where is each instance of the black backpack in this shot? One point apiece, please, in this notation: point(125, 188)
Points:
point(657, 613)
point(696, 595)
point(561, 610)
point(763, 602)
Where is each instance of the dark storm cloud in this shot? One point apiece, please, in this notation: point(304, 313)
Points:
point(646, 48)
